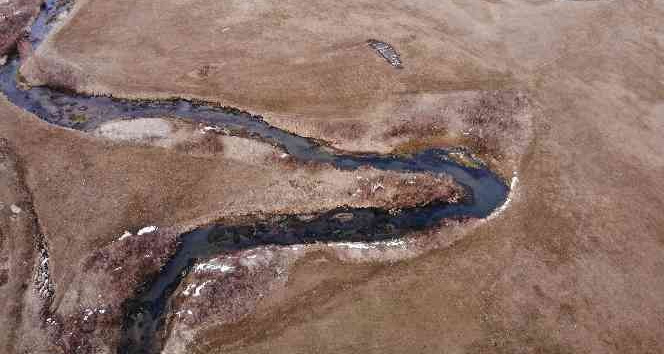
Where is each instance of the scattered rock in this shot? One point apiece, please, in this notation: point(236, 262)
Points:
point(386, 51)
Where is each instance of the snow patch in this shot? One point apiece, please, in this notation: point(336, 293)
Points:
point(376, 187)
point(395, 243)
point(355, 245)
point(63, 15)
point(197, 291)
point(15, 209)
point(508, 200)
point(515, 181)
point(187, 290)
point(178, 313)
point(88, 313)
point(213, 266)
point(124, 235)
point(147, 230)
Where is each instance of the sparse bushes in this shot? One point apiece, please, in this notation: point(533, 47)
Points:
point(491, 121)
point(494, 108)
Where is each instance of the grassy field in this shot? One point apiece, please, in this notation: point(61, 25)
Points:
point(86, 191)
point(574, 265)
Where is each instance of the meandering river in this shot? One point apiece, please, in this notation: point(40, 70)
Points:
point(145, 314)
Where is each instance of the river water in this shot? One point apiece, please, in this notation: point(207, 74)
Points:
point(144, 317)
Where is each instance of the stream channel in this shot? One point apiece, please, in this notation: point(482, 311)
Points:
point(145, 314)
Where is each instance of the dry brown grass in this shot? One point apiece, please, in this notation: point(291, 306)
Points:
point(87, 191)
point(573, 265)
point(23, 307)
point(209, 144)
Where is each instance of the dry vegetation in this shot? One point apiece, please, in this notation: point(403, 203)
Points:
point(88, 190)
point(492, 125)
point(337, 89)
point(573, 265)
point(24, 307)
point(108, 276)
point(15, 17)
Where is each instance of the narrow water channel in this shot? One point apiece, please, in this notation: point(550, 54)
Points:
point(145, 314)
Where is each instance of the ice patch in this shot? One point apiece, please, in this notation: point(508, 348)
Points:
point(146, 230)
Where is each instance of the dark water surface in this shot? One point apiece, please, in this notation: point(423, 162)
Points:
point(145, 314)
